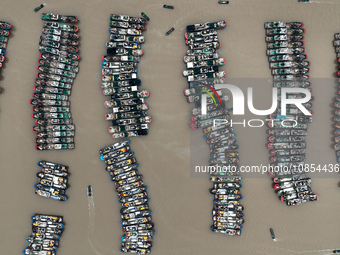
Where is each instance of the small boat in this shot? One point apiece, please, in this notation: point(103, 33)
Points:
point(279, 24)
point(208, 25)
point(56, 146)
point(64, 27)
point(56, 17)
point(39, 7)
point(272, 234)
point(227, 231)
point(52, 165)
point(62, 33)
point(58, 197)
point(169, 31)
point(48, 218)
point(4, 32)
point(145, 16)
point(115, 146)
point(166, 6)
point(89, 191)
point(125, 18)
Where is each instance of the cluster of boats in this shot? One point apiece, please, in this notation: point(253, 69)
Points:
point(135, 214)
point(127, 104)
point(287, 140)
point(46, 231)
point(4, 33)
point(202, 72)
point(52, 180)
point(57, 69)
point(337, 102)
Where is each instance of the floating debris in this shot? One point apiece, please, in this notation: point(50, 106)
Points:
point(39, 7)
point(223, 2)
point(272, 234)
point(145, 16)
point(170, 31)
point(336, 251)
point(304, 1)
point(168, 6)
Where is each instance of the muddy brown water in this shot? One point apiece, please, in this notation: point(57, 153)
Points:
point(181, 205)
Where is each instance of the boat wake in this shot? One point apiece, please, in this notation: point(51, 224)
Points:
point(318, 2)
point(91, 227)
point(310, 251)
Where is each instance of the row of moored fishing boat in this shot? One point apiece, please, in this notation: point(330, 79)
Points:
point(52, 180)
point(135, 213)
point(287, 133)
point(127, 105)
point(47, 229)
point(4, 34)
point(337, 101)
point(57, 69)
point(129, 119)
point(202, 63)
point(46, 232)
